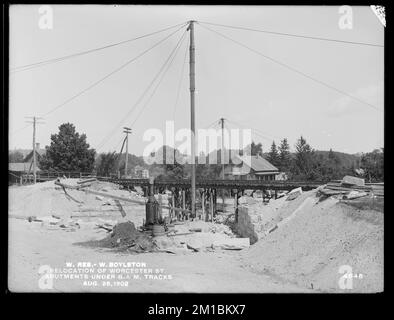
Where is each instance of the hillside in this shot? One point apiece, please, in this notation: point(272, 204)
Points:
point(346, 159)
point(315, 240)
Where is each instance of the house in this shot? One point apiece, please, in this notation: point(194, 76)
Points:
point(17, 169)
point(39, 154)
point(140, 172)
point(251, 168)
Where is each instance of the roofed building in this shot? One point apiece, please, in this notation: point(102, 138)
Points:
point(16, 169)
point(251, 168)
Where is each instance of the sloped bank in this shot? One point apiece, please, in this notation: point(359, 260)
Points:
point(257, 219)
point(309, 247)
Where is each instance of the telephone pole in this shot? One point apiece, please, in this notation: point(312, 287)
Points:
point(34, 122)
point(222, 153)
point(192, 115)
point(127, 131)
point(222, 157)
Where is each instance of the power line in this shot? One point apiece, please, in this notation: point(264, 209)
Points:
point(105, 77)
point(111, 73)
point(20, 129)
point(214, 124)
point(180, 82)
point(106, 138)
point(160, 80)
point(53, 60)
point(258, 132)
point(293, 35)
point(120, 142)
point(293, 69)
point(172, 54)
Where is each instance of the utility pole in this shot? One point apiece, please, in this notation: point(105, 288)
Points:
point(34, 122)
point(126, 131)
point(222, 153)
point(222, 158)
point(192, 115)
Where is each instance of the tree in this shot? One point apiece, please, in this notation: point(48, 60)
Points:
point(373, 165)
point(68, 151)
point(106, 163)
point(333, 158)
point(15, 156)
point(172, 169)
point(132, 162)
point(273, 155)
point(284, 155)
point(304, 163)
point(254, 149)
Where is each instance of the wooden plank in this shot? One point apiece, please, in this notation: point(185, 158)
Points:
point(119, 205)
point(103, 194)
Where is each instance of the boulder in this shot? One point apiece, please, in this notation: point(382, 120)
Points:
point(245, 200)
point(350, 180)
point(293, 194)
point(232, 243)
point(354, 195)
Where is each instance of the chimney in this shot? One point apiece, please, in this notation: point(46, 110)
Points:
point(37, 146)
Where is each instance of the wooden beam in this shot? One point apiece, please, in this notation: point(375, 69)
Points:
point(103, 194)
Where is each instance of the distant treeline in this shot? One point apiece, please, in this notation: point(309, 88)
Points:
point(304, 163)
point(69, 151)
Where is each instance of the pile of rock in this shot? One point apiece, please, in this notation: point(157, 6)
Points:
point(348, 188)
point(125, 236)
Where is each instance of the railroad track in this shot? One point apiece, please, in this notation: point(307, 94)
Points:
point(222, 184)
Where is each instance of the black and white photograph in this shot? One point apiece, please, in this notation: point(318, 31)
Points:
point(196, 149)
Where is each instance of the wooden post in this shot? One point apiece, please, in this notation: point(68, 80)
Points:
point(160, 200)
point(235, 201)
point(236, 206)
point(184, 202)
point(192, 117)
point(203, 204)
point(173, 204)
point(215, 203)
point(127, 131)
point(211, 203)
point(34, 152)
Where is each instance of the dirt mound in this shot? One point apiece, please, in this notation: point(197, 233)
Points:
point(310, 246)
point(46, 199)
point(124, 237)
point(41, 199)
point(267, 215)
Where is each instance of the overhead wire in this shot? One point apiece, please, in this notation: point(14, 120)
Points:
point(106, 76)
point(159, 82)
point(54, 60)
point(214, 124)
point(180, 82)
point(292, 35)
point(112, 72)
point(109, 135)
point(257, 132)
point(292, 69)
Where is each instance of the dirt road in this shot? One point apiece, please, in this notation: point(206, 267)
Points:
point(33, 246)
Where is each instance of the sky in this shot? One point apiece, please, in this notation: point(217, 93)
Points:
point(232, 82)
